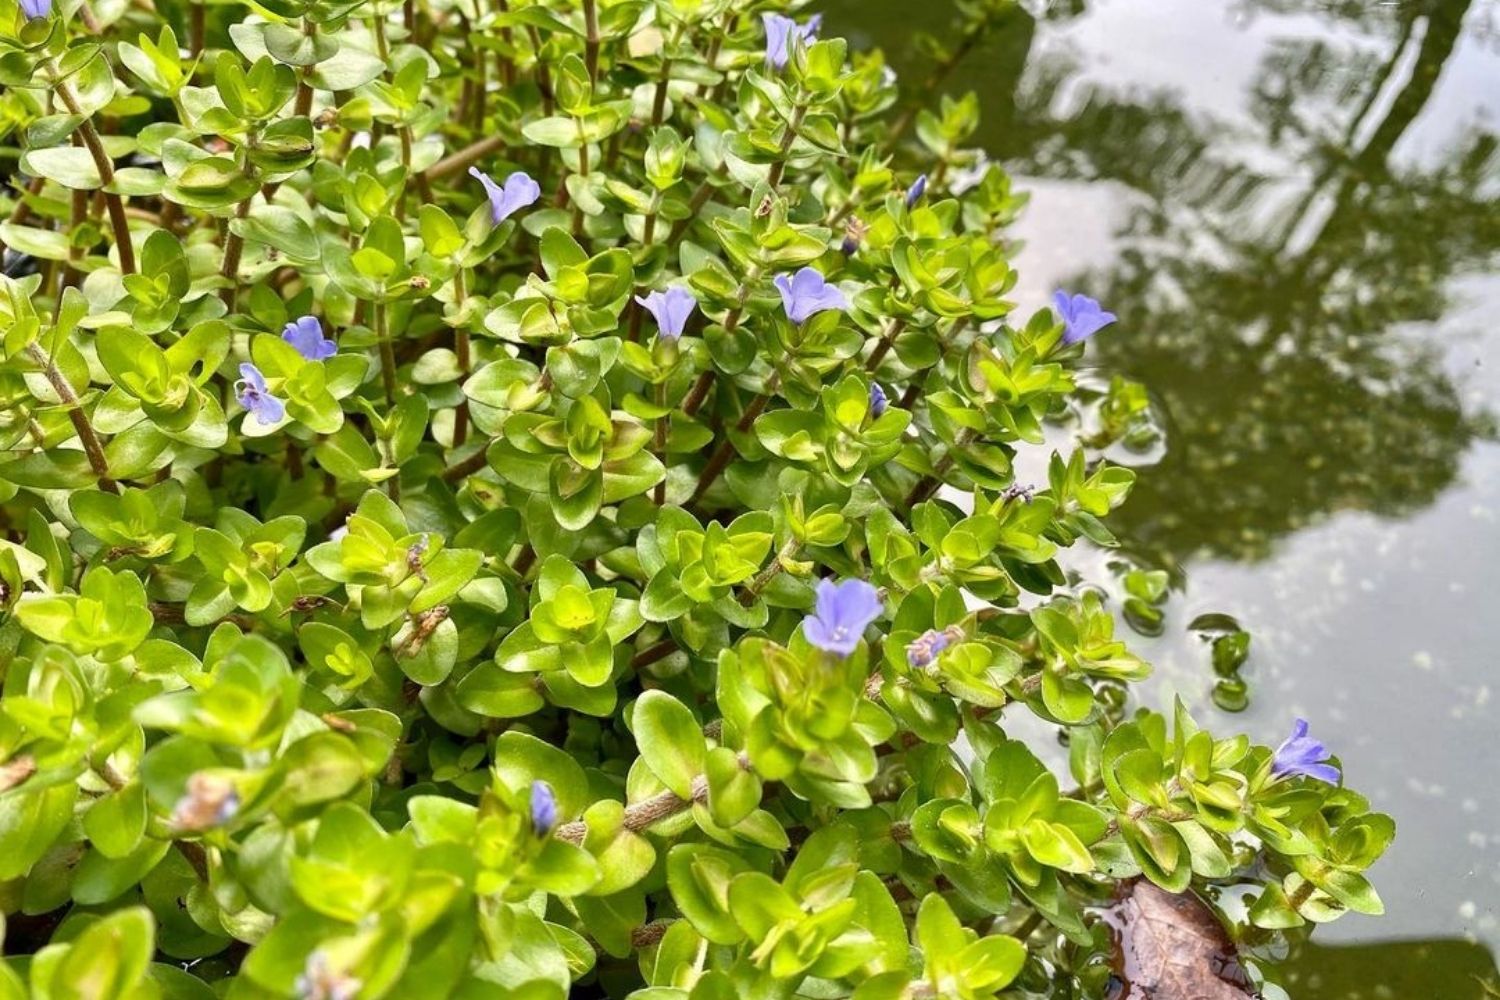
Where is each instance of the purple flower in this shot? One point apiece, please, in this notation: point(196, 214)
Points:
point(36, 9)
point(779, 32)
point(842, 613)
point(924, 649)
point(543, 808)
point(807, 293)
point(306, 335)
point(878, 400)
point(519, 191)
point(256, 398)
point(671, 309)
point(1301, 755)
point(1081, 316)
point(916, 191)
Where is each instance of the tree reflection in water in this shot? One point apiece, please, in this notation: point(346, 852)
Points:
point(1270, 273)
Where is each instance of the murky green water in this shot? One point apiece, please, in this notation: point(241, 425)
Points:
point(1294, 207)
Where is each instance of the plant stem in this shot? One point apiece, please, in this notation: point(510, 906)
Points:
point(81, 426)
point(233, 247)
point(699, 392)
point(654, 653)
point(721, 458)
point(387, 353)
point(660, 494)
point(460, 470)
point(700, 198)
point(790, 136)
point(927, 484)
point(465, 157)
point(887, 339)
point(303, 105)
point(764, 577)
point(197, 29)
point(106, 169)
point(461, 351)
point(591, 40)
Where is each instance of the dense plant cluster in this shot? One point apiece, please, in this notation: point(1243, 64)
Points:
point(549, 497)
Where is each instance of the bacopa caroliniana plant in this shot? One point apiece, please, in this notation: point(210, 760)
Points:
point(535, 499)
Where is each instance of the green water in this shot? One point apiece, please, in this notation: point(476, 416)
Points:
point(1294, 207)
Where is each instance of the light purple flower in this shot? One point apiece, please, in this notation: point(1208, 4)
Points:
point(1082, 317)
point(36, 9)
point(671, 309)
point(1301, 755)
point(879, 401)
point(841, 615)
point(543, 808)
point(779, 32)
point(256, 398)
point(916, 191)
point(807, 293)
point(320, 981)
point(924, 649)
point(306, 335)
point(519, 191)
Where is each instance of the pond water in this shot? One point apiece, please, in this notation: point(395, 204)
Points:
point(1294, 207)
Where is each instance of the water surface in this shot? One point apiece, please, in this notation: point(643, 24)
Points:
point(1294, 207)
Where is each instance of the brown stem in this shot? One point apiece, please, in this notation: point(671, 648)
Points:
point(81, 426)
point(106, 169)
point(197, 29)
point(787, 138)
point(925, 486)
point(721, 458)
point(883, 348)
point(462, 352)
point(387, 353)
point(591, 40)
point(764, 577)
point(644, 813)
point(303, 106)
point(660, 494)
point(462, 469)
point(234, 246)
point(465, 157)
point(700, 198)
point(699, 392)
point(653, 654)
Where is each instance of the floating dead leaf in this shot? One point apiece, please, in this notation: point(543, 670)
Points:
point(1172, 947)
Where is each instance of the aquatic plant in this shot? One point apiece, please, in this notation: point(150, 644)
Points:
point(387, 610)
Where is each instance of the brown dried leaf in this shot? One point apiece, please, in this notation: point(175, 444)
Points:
point(1172, 947)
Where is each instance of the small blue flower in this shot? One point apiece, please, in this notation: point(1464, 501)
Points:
point(671, 309)
point(916, 191)
point(519, 191)
point(543, 808)
point(1082, 317)
point(36, 9)
point(924, 649)
point(779, 32)
point(256, 398)
point(1302, 756)
point(807, 293)
point(841, 615)
point(306, 335)
point(879, 401)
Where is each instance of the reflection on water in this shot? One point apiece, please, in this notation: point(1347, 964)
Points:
point(1294, 207)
